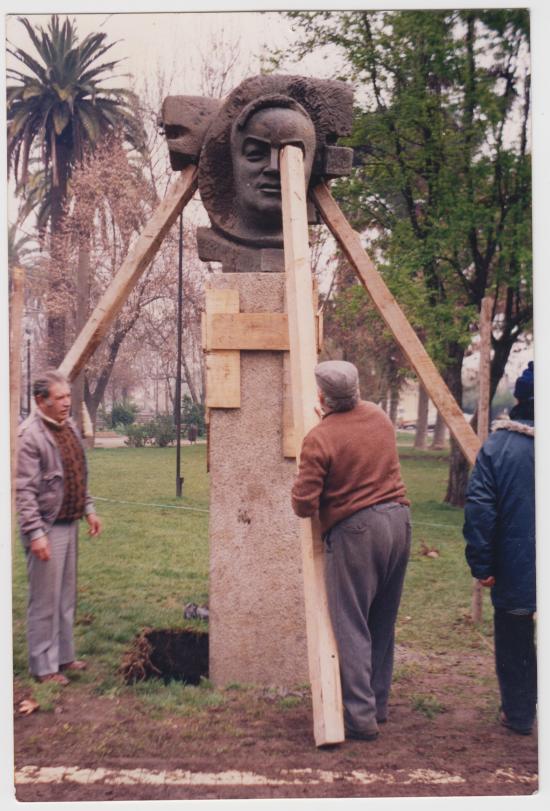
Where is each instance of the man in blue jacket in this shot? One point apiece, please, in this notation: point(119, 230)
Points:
point(499, 530)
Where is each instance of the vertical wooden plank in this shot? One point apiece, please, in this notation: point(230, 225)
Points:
point(485, 323)
point(396, 321)
point(328, 724)
point(16, 319)
point(223, 367)
point(289, 440)
point(130, 271)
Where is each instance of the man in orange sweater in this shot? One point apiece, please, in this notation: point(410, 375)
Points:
point(349, 472)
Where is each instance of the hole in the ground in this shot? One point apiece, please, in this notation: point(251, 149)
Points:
point(167, 654)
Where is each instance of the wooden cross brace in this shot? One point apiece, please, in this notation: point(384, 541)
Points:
point(226, 332)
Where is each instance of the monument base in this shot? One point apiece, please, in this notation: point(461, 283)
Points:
point(257, 620)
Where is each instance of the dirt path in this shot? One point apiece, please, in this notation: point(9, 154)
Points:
point(441, 740)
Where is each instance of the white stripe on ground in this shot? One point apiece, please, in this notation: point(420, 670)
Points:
point(286, 777)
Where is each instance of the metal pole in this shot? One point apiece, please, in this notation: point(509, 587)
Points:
point(177, 403)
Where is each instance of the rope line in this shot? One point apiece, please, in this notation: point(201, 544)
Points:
point(442, 526)
point(201, 510)
point(146, 504)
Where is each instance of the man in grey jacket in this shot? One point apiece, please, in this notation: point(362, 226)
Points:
point(52, 496)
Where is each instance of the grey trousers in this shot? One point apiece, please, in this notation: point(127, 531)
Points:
point(52, 602)
point(365, 562)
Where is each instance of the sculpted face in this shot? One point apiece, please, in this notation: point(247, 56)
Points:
point(255, 153)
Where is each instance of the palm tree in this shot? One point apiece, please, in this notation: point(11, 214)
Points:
point(57, 107)
point(21, 246)
point(60, 106)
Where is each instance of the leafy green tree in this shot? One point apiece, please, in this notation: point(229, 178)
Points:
point(442, 181)
point(58, 105)
point(354, 331)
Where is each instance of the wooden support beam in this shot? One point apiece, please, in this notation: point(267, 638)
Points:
point(328, 723)
point(289, 440)
point(131, 269)
point(484, 404)
point(250, 331)
point(483, 409)
point(223, 367)
point(397, 322)
point(262, 331)
point(17, 301)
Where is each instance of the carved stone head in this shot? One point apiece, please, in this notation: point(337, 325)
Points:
point(240, 140)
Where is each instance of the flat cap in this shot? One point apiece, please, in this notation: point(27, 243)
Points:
point(337, 378)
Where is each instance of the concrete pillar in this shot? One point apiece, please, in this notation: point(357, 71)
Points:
point(257, 622)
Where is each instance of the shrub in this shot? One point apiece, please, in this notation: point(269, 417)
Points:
point(161, 431)
point(136, 436)
point(123, 413)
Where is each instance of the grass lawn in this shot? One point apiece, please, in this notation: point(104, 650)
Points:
point(152, 558)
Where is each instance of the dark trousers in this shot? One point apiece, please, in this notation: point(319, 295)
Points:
point(516, 666)
point(365, 561)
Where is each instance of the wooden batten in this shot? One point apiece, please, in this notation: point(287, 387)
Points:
point(223, 367)
point(328, 725)
point(130, 271)
point(397, 322)
point(261, 331)
point(289, 437)
point(483, 409)
point(250, 331)
point(17, 303)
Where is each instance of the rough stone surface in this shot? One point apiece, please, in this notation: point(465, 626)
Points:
point(237, 258)
point(185, 120)
point(257, 621)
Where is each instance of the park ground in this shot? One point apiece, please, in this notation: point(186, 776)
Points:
point(100, 739)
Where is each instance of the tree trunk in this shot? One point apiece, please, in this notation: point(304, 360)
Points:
point(56, 318)
point(421, 436)
point(459, 468)
point(189, 380)
point(394, 404)
point(93, 399)
point(82, 286)
point(458, 477)
point(440, 431)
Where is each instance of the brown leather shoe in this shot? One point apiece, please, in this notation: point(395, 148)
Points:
point(76, 664)
point(58, 678)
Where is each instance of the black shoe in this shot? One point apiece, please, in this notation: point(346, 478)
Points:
point(518, 730)
point(369, 734)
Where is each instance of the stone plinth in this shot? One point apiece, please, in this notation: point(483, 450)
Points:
point(257, 622)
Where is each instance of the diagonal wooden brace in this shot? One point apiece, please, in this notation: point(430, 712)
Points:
point(397, 322)
point(130, 271)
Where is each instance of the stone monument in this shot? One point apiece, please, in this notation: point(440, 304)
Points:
point(257, 627)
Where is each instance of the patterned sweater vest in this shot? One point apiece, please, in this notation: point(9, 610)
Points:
point(74, 472)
